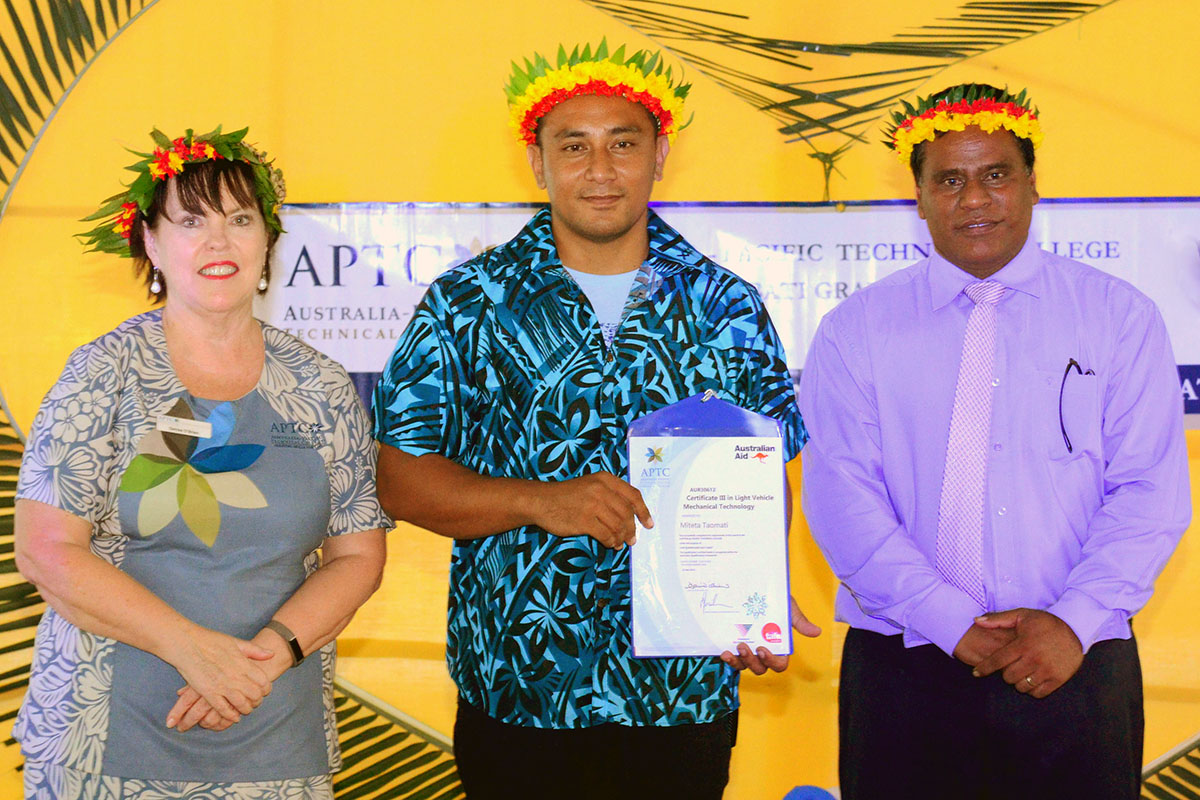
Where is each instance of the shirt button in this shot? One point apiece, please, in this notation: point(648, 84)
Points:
point(1002, 510)
point(602, 603)
point(997, 447)
point(609, 358)
point(995, 381)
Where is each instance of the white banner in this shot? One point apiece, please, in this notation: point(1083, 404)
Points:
point(346, 277)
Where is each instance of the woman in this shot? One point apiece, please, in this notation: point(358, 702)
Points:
point(177, 483)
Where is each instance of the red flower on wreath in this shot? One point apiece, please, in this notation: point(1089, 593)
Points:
point(123, 222)
point(665, 119)
point(169, 163)
point(165, 164)
point(201, 151)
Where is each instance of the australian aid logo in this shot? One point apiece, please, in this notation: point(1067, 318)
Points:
point(771, 633)
point(753, 452)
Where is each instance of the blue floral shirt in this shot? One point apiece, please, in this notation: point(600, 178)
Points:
point(504, 370)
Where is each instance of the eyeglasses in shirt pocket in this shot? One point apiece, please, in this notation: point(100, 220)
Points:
point(1074, 419)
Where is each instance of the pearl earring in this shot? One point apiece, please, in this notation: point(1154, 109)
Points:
point(262, 283)
point(155, 283)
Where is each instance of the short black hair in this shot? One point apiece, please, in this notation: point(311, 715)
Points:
point(916, 161)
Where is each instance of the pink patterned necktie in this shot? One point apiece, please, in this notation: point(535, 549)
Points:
point(960, 515)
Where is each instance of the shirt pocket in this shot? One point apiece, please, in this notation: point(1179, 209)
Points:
point(1069, 414)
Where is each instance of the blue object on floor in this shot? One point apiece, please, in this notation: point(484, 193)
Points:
point(808, 793)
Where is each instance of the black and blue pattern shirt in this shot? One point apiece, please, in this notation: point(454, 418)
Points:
point(504, 369)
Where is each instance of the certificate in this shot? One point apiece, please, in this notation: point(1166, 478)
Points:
point(712, 572)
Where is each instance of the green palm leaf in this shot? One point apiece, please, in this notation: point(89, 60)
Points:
point(46, 45)
point(823, 100)
point(32, 67)
point(388, 755)
point(20, 604)
point(1176, 775)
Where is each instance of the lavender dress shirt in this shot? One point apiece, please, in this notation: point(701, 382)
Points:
point(1081, 532)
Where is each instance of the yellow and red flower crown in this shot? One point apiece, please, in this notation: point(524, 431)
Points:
point(957, 107)
point(168, 160)
point(642, 78)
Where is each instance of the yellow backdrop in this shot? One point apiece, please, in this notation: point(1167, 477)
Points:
point(401, 101)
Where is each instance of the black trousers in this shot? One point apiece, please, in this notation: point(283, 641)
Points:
point(497, 760)
point(915, 723)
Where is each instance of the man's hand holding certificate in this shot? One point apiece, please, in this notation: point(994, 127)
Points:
point(712, 573)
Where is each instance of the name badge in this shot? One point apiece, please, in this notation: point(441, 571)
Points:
point(185, 427)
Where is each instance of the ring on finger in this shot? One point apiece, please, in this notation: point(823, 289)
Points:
point(1029, 680)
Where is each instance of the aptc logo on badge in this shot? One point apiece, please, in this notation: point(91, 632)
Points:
point(654, 455)
point(771, 633)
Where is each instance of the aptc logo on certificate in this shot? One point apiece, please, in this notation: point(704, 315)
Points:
point(712, 572)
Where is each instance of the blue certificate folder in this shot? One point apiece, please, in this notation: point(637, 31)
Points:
point(712, 572)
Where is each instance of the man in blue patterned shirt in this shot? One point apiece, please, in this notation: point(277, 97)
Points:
point(502, 416)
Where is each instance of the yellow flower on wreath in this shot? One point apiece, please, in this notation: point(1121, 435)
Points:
point(986, 107)
point(640, 78)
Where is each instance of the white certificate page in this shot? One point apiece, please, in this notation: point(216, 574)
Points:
point(712, 572)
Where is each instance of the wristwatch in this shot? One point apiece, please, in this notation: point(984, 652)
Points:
point(290, 638)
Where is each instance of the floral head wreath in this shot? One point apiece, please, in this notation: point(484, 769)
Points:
point(641, 78)
point(954, 109)
point(168, 160)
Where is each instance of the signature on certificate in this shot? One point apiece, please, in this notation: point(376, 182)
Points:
point(709, 601)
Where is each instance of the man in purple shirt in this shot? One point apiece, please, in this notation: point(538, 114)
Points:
point(997, 474)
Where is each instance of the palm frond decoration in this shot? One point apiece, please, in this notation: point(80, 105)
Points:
point(20, 604)
point(388, 755)
point(830, 95)
point(45, 48)
point(1175, 776)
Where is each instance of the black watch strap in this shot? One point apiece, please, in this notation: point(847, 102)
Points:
point(290, 638)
